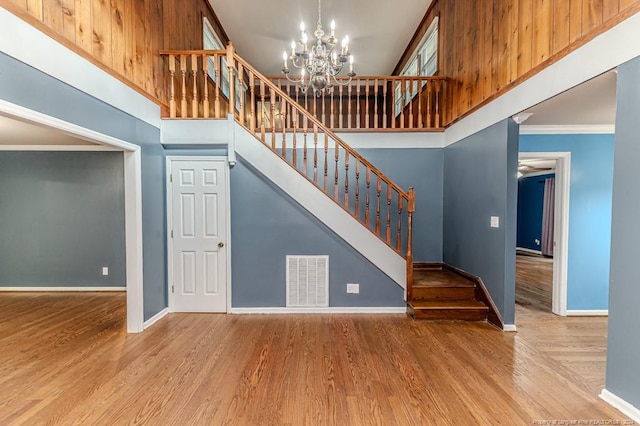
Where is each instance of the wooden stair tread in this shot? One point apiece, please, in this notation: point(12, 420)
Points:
point(436, 278)
point(448, 304)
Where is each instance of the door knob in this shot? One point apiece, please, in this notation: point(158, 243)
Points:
point(220, 244)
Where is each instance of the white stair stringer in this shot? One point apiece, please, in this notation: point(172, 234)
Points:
point(318, 204)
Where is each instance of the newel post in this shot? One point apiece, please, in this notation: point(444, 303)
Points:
point(232, 83)
point(411, 207)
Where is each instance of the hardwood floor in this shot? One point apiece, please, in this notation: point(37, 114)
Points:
point(66, 359)
point(579, 344)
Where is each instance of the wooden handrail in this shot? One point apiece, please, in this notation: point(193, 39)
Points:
point(322, 127)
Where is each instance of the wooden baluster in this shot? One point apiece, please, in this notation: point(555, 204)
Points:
point(273, 119)
point(172, 86)
point(304, 151)
point(411, 203)
point(326, 162)
point(324, 109)
point(420, 97)
point(367, 198)
point(384, 105)
point(241, 94)
point(411, 104)
point(357, 188)
point(315, 154)
point(232, 81)
point(262, 112)
point(340, 110)
point(375, 104)
point(388, 213)
point(216, 96)
point(332, 120)
point(437, 103)
point(346, 179)
point(357, 104)
point(194, 95)
point(403, 95)
point(367, 125)
point(315, 104)
point(183, 70)
point(306, 108)
point(350, 101)
point(252, 89)
point(283, 114)
point(335, 183)
point(205, 85)
point(398, 232)
point(378, 191)
point(394, 102)
point(294, 121)
point(429, 95)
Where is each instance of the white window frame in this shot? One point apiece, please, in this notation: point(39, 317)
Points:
point(211, 41)
point(420, 63)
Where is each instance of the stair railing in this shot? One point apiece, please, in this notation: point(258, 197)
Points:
point(393, 103)
point(296, 136)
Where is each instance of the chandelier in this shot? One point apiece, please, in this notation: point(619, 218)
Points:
point(320, 64)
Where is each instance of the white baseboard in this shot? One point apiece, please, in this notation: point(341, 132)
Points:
point(154, 319)
point(509, 327)
point(333, 310)
point(528, 250)
point(45, 289)
point(621, 405)
point(587, 312)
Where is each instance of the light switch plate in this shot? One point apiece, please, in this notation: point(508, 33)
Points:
point(105, 270)
point(495, 222)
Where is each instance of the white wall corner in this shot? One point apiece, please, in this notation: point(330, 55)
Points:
point(157, 317)
point(231, 138)
point(621, 405)
point(322, 207)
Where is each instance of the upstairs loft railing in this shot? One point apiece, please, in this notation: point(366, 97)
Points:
point(294, 134)
point(375, 103)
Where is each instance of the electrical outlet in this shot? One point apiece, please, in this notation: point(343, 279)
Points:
point(105, 270)
point(495, 222)
point(353, 288)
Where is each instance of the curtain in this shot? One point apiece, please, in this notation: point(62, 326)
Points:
point(547, 216)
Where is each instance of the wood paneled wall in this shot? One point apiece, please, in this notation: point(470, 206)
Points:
point(123, 36)
point(488, 46)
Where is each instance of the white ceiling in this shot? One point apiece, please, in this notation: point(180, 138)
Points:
point(591, 103)
point(379, 30)
point(15, 132)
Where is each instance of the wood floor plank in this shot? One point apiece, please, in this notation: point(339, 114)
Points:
point(77, 365)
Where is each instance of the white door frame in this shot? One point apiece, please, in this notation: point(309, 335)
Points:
point(561, 226)
point(169, 159)
point(132, 195)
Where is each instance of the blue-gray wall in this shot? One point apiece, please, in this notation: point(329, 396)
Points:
point(423, 169)
point(480, 182)
point(62, 219)
point(530, 209)
point(623, 348)
point(590, 193)
point(267, 225)
point(28, 87)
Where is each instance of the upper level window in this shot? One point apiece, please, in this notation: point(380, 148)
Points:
point(423, 62)
point(211, 41)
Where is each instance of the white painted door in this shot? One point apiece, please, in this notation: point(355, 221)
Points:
point(198, 272)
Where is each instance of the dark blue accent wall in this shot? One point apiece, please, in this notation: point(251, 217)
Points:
point(591, 186)
point(480, 182)
point(530, 208)
point(28, 87)
point(623, 347)
point(62, 219)
point(267, 225)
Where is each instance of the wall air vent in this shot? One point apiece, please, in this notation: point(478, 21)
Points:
point(307, 281)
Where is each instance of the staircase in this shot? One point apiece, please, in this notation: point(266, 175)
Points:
point(441, 294)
